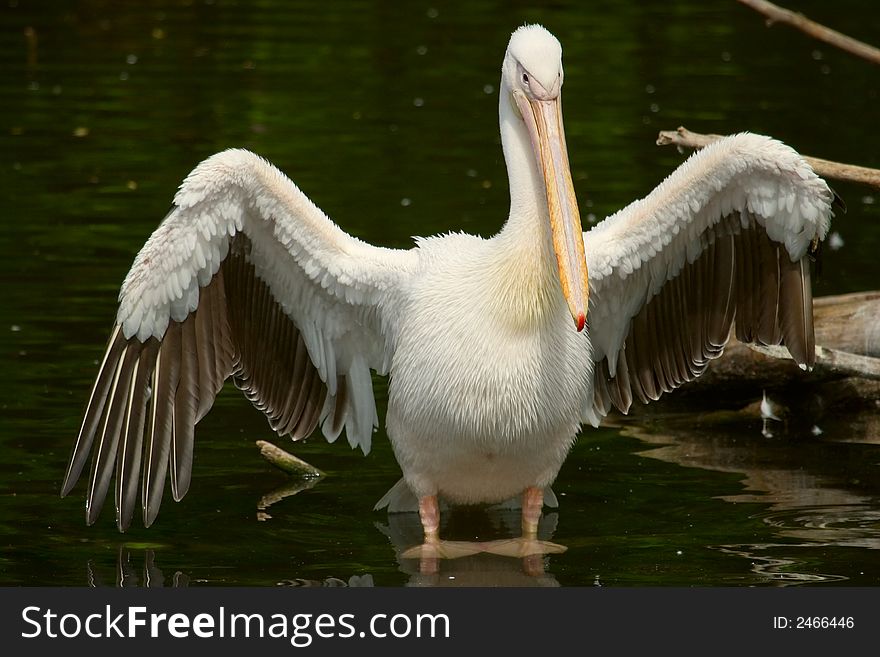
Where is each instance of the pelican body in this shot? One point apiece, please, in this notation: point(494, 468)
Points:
point(498, 349)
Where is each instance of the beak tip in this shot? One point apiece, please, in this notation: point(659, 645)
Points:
point(581, 321)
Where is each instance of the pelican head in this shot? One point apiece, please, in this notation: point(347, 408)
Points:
point(532, 80)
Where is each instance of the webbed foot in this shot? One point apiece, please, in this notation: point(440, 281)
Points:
point(522, 547)
point(437, 549)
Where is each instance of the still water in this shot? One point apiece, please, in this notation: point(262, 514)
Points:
point(386, 115)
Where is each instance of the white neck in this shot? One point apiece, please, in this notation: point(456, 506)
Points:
point(528, 217)
point(524, 266)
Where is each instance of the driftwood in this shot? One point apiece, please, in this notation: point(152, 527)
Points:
point(682, 137)
point(816, 30)
point(303, 476)
point(287, 461)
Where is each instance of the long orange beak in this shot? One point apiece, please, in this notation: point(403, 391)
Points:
point(543, 118)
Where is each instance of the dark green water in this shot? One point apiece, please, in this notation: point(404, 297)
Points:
point(386, 115)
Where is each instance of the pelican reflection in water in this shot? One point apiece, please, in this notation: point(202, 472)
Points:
point(498, 349)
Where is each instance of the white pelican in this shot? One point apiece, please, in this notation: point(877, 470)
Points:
point(492, 366)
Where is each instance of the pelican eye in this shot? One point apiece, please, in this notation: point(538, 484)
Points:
point(526, 78)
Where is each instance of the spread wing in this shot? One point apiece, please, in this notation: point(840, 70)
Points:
point(246, 278)
point(723, 241)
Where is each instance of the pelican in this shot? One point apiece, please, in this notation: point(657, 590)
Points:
point(498, 350)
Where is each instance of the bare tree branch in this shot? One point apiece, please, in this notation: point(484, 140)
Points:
point(683, 137)
point(777, 14)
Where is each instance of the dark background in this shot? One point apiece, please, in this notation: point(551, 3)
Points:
point(385, 114)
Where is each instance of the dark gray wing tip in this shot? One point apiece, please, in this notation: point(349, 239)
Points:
point(837, 200)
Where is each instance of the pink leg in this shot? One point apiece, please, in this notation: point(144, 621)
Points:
point(433, 548)
point(429, 512)
point(533, 565)
point(527, 546)
point(533, 502)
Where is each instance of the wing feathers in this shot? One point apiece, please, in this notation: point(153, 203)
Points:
point(672, 338)
point(161, 428)
point(94, 409)
point(167, 385)
point(186, 406)
point(128, 460)
point(768, 329)
point(796, 316)
point(246, 277)
point(104, 457)
point(722, 302)
point(208, 384)
point(697, 318)
point(274, 369)
point(312, 410)
point(292, 409)
point(721, 244)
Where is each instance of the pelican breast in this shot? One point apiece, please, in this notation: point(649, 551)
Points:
point(471, 365)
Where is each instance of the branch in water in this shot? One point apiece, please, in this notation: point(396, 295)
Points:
point(287, 461)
